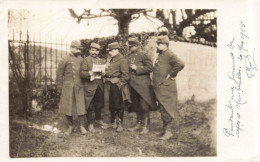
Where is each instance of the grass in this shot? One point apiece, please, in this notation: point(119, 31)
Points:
point(193, 137)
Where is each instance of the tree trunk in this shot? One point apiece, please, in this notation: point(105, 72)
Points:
point(123, 26)
point(173, 20)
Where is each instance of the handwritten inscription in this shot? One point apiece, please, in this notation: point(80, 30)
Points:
point(243, 64)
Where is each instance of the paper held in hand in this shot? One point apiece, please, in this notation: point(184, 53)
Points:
point(97, 70)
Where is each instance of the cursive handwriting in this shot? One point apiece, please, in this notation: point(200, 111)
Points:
point(228, 131)
point(250, 65)
point(242, 64)
point(230, 45)
point(238, 127)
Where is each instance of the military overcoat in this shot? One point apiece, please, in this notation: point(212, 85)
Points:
point(68, 79)
point(140, 79)
point(166, 68)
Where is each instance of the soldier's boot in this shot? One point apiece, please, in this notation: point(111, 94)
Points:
point(168, 133)
point(114, 124)
point(145, 126)
point(120, 127)
point(102, 124)
point(113, 119)
point(70, 123)
point(81, 125)
point(137, 125)
point(120, 121)
point(90, 121)
point(91, 128)
point(69, 130)
point(82, 129)
point(163, 131)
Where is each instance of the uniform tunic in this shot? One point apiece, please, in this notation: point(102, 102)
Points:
point(90, 87)
point(118, 73)
point(167, 65)
point(68, 79)
point(118, 68)
point(140, 79)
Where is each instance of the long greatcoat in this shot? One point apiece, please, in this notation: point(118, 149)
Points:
point(166, 68)
point(68, 79)
point(90, 87)
point(140, 79)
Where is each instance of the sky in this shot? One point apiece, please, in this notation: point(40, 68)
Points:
point(51, 24)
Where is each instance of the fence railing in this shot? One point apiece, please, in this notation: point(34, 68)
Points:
point(36, 60)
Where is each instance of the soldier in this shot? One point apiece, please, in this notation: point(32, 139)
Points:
point(142, 95)
point(71, 88)
point(166, 68)
point(93, 86)
point(117, 75)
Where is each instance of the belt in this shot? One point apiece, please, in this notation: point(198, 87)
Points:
point(111, 80)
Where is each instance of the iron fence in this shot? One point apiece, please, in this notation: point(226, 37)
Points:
point(35, 61)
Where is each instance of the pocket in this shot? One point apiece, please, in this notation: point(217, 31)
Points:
point(170, 84)
point(167, 82)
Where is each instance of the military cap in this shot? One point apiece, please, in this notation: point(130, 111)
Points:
point(113, 45)
point(133, 41)
point(76, 44)
point(163, 39)
point(95, 45)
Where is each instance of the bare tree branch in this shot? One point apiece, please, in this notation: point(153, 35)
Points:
point(135, 18)
point(87, 14)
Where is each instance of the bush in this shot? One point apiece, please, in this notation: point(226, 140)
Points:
point(104, 41)
point(143, 37)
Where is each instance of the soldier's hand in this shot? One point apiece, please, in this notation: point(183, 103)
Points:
point(133, 66)
point(103, 73)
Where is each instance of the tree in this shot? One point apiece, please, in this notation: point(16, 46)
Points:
point(123, 16)
point(167, 16)
point(188, 17)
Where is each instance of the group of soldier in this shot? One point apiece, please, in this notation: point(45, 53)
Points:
point(123, 81)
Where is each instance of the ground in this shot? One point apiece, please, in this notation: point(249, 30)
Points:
point(41, 135)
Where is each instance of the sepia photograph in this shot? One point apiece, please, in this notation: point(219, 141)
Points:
point(112, 82)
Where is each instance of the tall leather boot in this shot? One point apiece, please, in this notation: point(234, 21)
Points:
point(113, 119)
point(70, 123)
point(146, 122)
point(90, 122)
point(102, 124)
point(120, 121)
point(81, 125)
point(138, 123)
point(163, 131)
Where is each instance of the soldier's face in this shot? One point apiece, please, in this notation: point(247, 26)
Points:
point(161, 47)
point(75, 51)
point(113, 52)
point(94, 52)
